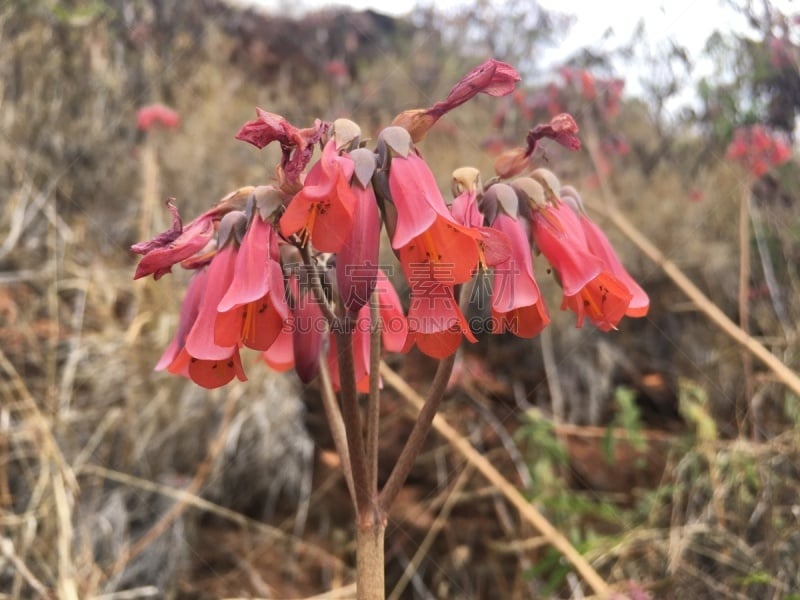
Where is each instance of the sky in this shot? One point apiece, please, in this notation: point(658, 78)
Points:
point(604, 24)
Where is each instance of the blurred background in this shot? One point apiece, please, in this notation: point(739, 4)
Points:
point(666, 454)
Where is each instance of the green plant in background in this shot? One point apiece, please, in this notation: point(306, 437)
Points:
point(626, 425)
point(693, 406)
point(585, 517)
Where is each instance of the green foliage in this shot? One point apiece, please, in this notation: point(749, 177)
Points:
point(77, 13)
point(628, 419)
point(693, 406)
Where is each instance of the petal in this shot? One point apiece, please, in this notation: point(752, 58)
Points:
point(575, 265)
point(216, 373)
point(435, 322)
point(465, 209)
point(357, 261)
point(524, 322)
point(280, 355)
point(189, 311)
point(395, 325)
point(251, 271)
point(514, 285)
point(200, 341)
point(600, 246)
point(415, 196)
point(308, 335)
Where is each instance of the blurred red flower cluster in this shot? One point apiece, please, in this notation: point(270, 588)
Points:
point(757, 149)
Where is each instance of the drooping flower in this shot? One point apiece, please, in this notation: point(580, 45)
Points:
point(253, 309)
point(357, 260)
point(309, 329)
point(466, 185)
point(180, 243)
point(202, 340)
point(435, 322)
point(492, 77)
point(209, 373)
point(297, 144)
point(562, 129)
point(425, 232)
point(322, 211)
point(598, 244)
point(517, 305)
point(589, 287)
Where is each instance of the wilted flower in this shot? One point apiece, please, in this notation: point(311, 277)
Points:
point(180, 243)
point(561, 129)
point(297, 144)
point(492, 77)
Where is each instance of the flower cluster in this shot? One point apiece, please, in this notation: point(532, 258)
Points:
point(288, 268)
point(157, 114)
point(757, 150)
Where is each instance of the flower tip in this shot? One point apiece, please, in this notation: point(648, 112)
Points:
point(364, 164)
point(550, 183)
point(500, 197)
point(267, 200)
point(530, 191)
point(346, 134)
point(394, 138)
point(416, 122)
point(511, 162)
point(466, 179)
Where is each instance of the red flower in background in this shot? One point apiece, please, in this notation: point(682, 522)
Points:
point(757, 150)
point(157, 114)
point(211, 371)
